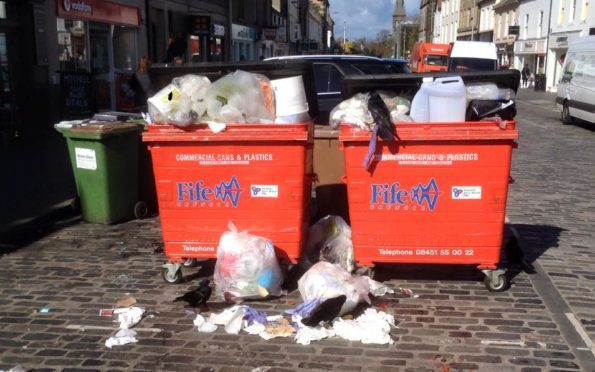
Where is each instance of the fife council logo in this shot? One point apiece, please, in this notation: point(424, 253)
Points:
point(66, 5)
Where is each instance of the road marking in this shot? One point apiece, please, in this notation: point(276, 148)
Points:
point(79, 327)
point(581, 332)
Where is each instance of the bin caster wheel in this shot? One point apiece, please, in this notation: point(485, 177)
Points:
point(141, 210)
point(172, 279)
point(496, 283)
point(190, 262)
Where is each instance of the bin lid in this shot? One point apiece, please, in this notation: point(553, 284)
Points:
point(163, 75)
point(97, 131)
point(408, 84)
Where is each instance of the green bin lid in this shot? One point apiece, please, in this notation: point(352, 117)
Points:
point(98, 131)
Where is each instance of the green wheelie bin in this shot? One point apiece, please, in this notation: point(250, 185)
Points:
point(104, 160)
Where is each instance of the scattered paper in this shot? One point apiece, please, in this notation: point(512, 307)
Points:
point(123, 337)
point(125, 301)
point(129, 317)
point(203, 325)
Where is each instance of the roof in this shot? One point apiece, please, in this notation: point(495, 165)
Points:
point(474, 49)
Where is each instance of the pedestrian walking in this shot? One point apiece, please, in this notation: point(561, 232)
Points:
point(525, 73)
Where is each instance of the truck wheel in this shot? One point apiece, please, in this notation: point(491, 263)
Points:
point(566, 118)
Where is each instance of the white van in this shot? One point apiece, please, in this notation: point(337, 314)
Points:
point(576, 89)
point(473, 56)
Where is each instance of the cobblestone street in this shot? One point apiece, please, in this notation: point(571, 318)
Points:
point(544, 322)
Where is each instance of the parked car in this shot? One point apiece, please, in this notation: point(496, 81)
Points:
point(473, 56)
point(330, 69)
point(576, 90)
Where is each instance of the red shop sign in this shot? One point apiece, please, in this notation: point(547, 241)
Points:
point(98, 10)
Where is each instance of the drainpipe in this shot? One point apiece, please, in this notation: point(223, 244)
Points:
point(547, 45)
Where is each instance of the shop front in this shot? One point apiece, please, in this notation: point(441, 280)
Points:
point(98, 55)
point(206, 41)
point(243, 43)
point(505, 54)
point(532, 53)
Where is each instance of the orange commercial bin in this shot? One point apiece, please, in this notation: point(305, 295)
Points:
point(257, 176)
point(437, 194)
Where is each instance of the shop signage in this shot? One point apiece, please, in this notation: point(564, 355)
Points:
point(269, 34)
point(218, 30)
point(202, 25)
point(99, 10)
point(513, 30)
point(240, 32)
point(530, 47)
point(77, 93)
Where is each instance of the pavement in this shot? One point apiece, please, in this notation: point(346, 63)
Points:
point(544, 322)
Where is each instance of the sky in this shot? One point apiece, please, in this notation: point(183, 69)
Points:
point(365, 18)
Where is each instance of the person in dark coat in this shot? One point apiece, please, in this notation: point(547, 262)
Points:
point(525, 73)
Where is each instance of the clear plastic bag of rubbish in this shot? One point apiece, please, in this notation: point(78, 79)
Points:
point(241, 97)
point(327, 280)
point(246, 266)
point(488, 91)
point(397, 105)
point(180, 103)
point(353, 111)
point(195, 87)
point(329, 239)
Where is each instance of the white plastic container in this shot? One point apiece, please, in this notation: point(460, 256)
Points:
point(290, 100)
point(447, 100)
point(420, 110)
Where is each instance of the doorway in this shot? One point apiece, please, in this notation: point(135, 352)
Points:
point(102, 65)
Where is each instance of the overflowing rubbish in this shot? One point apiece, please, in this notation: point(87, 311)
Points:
point(180, 103)
point(198, 296)
point(329, 239)
point(487, 109)
point(122, 337)
point(125, 301)
point(203, 325)
point(246, 267)
point(325, 311)
point(372, 327)
point(241, 97)
point(106, 312)
point(127, 317)
point(43, 310)
point(291, 105)
point(238, 97)
point(408, 292)
point(326, 280)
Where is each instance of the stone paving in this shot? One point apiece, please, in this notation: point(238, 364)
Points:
point(77, 268)
point(552, 202)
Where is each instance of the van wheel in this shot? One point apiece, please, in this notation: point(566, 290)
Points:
point(566, 118)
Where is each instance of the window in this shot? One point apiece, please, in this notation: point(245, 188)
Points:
point(526, 26)
point(125, 57)
point(328, 78)
point(569, 65)
point(585, 10)
point(539, 23)
point(2, 9)
point(561, 13)
point(572, 11)
point(72, 44)
point(435, 60)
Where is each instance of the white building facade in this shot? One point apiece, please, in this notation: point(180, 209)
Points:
point(570, 19)
point(486, 19)
point(506, 30)
point(531, 45)
point(449, 20)
point(437, 24)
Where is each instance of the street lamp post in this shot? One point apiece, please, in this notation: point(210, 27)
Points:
point(344, 26)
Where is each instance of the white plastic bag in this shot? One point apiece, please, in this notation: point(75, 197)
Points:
point(329, 239)
point(241, 97)
point(353, 111)
point(246, 266)
point(327, 280)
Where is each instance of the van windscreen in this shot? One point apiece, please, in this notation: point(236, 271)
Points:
point(436, 60)
point(472, 64)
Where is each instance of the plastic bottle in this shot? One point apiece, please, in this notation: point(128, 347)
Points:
point(447, 100)
point(420, 107)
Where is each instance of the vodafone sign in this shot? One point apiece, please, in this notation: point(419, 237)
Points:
point(100, 11)
point(79, 6)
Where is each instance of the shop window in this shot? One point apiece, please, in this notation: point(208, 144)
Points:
point(125, 51)
point(72, 44)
